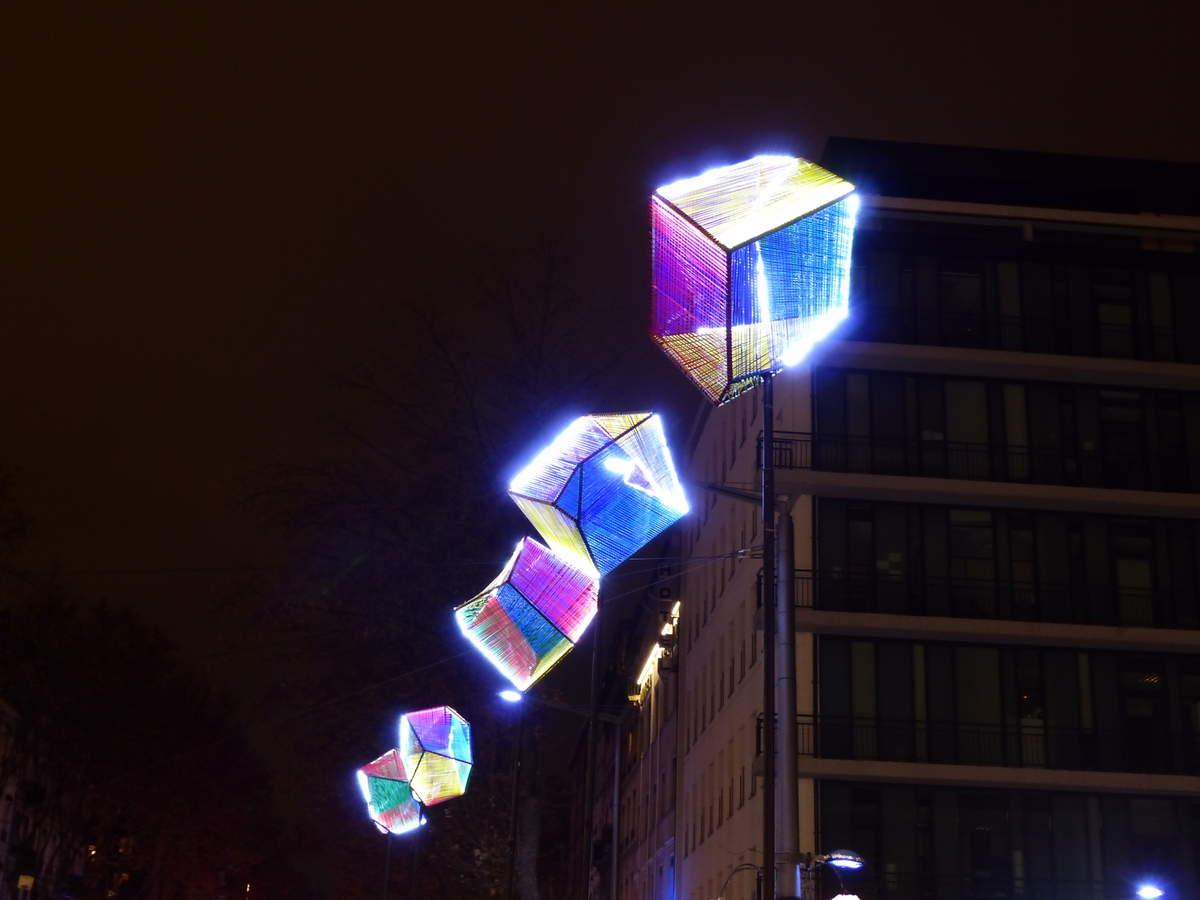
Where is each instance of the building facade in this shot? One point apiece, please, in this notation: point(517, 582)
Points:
point(993, 474)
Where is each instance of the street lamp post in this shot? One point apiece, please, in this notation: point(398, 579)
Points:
point(768, 648)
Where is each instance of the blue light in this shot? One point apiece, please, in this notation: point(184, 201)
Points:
point(1149, 891)
point(844, 859)
point(508, 695)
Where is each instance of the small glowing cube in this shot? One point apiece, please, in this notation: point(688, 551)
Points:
point(751, 268)
point(389, 797)
point(435, 745)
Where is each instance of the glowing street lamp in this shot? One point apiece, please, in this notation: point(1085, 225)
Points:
point(840, 861)
point(847, 860)
point(1149, 891)
point(508, 695)
point(750, 270)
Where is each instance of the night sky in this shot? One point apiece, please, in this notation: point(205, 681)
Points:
point(210, 212)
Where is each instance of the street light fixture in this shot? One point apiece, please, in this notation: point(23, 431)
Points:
point(841, 859)
point(1150, 891)
point(508, 695)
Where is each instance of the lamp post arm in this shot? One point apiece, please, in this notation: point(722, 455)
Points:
point(741, 867)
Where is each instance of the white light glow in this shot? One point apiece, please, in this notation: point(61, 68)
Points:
point(1149, 891)
point(844, 859)
point(675, 499)
point(465, 629)
point(762, 285)
point(685, 185)
point(819, 328)
point(409, 826)
point(508, 695)
point(619, 465)
point(846, 897)
point(557, 448)
point(648, 669)
point(363, 786)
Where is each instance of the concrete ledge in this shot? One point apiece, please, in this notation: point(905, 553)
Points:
point(997, 631)
point(999, 777)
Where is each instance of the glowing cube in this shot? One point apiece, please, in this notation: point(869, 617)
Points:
point(435, 745)
point(751, 268)
point(604, 488)
point(389, 797)
point(532, 614)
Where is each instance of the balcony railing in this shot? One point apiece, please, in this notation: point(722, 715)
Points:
point(1032, 333)
point(869, 591)
point(1027, 743)
point(939, 458)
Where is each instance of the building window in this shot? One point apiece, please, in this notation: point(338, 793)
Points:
point(960, 295)
point(1112, 293)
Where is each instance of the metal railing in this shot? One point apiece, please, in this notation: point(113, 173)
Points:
point(865, 590)
point(960, 597)
point(1030, 333)
point(1020, 743)
point(940, 458)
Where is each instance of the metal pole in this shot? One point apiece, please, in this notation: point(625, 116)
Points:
point(588, 776)
point(387, 863)
point(414, 869)
point(513, 815)
point(616, 809)
point(768, 648)
point(787, 810)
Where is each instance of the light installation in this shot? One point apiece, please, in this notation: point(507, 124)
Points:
point(431, 765)
point(435, 745)
point(388, 794)
point(750, 268)
point(602, 489)
point(532, 614)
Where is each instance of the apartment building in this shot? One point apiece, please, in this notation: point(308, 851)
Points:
point(993, 473)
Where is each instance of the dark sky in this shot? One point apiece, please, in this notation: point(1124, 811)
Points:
point(208, 209)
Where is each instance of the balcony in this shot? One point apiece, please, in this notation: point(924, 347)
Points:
point(1032, 333)
point(1024, 744)
point(1068, 603)
point(939, 458)
point(958, 597)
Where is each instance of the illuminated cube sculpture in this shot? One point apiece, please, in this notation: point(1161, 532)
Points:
point(435, 745)
point(751, 268)
point(389, 797)
point(604, 488)
point(532, 614)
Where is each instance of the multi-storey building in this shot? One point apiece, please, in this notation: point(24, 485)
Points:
point(993, 473)
point(635, 780)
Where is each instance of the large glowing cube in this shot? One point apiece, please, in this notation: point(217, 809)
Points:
point(532, 614)
point(435, 745)
point(602, 489)
point(751, 268)
point(389, 797)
